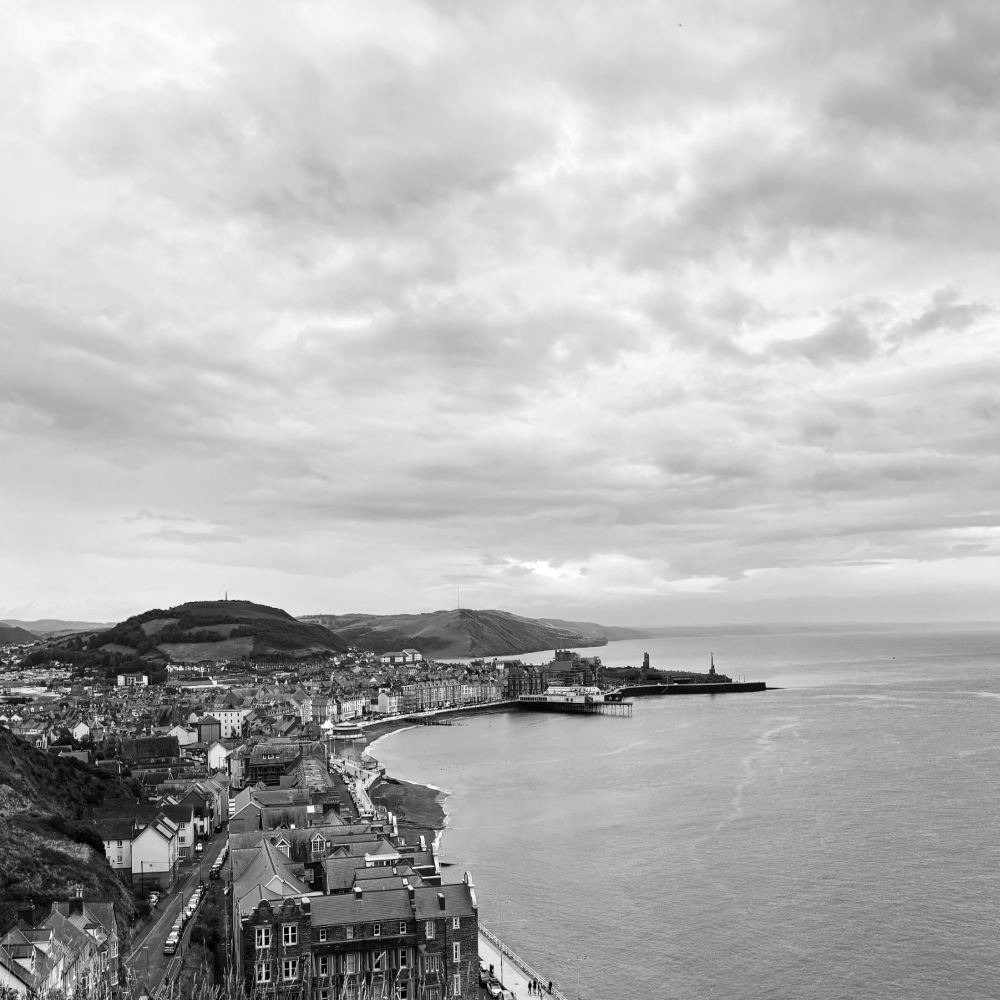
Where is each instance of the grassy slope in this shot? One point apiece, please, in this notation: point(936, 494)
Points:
point(43, 802)
point(273, 631)
point(457, 633)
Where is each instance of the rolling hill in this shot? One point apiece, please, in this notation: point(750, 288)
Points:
point(14, 635)
point(47, 627)
point(217, 630)
point(456, 633)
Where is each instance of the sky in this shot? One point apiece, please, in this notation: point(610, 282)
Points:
point(640, 313)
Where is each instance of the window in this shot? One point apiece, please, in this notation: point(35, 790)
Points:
point(290, 968)
point(456, 952)
point(431, 963)
point(119, 843)
point(120, 859)
point(324, 995)
point(324, 965)
point(404, 991)
point(352, 964)
point(456, 985)
point(429, 929)
point(263, 972)
point(456, 923)
point(402, 927)
point(350, 933)
point(431, 993)
point(377, 930)
point(263, 937)
point(289, 934)
point(379, 961)
point(322, 934)
point(283, 847)
point(404, 957)
point(318, 845)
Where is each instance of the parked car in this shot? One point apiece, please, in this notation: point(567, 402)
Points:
point(170, 945)
point(484, 974)
point(494, 988)
point(199, 848)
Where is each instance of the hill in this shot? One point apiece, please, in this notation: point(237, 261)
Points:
point(216, 630)
point(594, 631)
point(56, 626)
point(457, 633)
point(13, 635)
point(47, 845)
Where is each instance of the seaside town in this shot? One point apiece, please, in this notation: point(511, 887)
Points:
point(256, 848)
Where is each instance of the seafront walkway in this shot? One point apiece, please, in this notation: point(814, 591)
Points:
point(516, 972)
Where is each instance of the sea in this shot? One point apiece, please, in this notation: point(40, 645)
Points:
point(835, 837)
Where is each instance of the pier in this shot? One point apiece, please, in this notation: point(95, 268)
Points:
point(580, 707)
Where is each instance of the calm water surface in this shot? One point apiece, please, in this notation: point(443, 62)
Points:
point(837, 838)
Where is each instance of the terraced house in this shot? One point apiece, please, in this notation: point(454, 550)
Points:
point(405, 943)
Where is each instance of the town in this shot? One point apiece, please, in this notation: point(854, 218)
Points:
point(259, 848)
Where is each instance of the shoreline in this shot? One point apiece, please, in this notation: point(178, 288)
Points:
point(419, 808)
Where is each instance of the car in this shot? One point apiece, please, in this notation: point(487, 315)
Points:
point(484, 974)
point(170, 946)
point(199, 848)
point(494, 988)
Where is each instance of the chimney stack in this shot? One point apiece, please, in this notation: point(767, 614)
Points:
point(357, 892)
point(441, 900)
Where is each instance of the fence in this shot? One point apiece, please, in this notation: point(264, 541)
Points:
point(520, 962)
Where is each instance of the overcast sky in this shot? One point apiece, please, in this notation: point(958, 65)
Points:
point(646, 313)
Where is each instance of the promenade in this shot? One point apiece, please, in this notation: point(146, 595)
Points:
point(516, 972)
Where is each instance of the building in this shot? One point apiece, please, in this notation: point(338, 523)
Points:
point(155, 853)
point(209, 730)
point(231, 720)
point(133, 680)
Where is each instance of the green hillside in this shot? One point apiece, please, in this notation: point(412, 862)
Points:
point(455, 633)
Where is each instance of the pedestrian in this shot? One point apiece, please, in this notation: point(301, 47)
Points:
point(550, 986)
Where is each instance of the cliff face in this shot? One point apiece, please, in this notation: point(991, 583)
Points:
point(455, 633)
point(47, 844)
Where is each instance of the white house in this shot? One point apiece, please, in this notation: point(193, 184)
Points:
point(231, 720)
point(80, 731)
point(388, 702)
point(154, 854)
point(185, 736)
point(117, 837)
point(216, 757)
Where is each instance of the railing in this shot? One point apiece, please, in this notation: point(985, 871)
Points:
point(498, 944)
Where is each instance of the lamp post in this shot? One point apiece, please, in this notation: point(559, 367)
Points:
point(501, 902)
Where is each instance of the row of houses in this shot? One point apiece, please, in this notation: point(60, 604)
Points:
point(348, 910)
point(144, 845)
point(74, 949)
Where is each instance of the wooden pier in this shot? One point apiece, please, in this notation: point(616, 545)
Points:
point(578, 707)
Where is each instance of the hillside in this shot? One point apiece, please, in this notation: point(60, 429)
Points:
point(13, 635)
point(454, 633)
point(217, 630)
point(594, 631)
point(47, 845)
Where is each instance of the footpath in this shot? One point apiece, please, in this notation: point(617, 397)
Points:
point(516, 972)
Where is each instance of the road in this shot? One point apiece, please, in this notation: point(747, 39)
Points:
point(146, 958)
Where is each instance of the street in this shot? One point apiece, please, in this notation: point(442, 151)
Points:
point(146, 958)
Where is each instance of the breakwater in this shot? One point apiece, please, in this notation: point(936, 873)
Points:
point(733, 687)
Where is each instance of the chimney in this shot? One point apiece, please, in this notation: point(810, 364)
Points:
point(441, 900)
point(423, 843)
point(413, 895)
point(357, 892)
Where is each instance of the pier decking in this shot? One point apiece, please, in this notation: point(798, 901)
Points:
point(580, 707)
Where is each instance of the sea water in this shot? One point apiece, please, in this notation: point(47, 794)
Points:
point(835, 838)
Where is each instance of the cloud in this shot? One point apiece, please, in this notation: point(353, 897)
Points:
point(355, 295)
